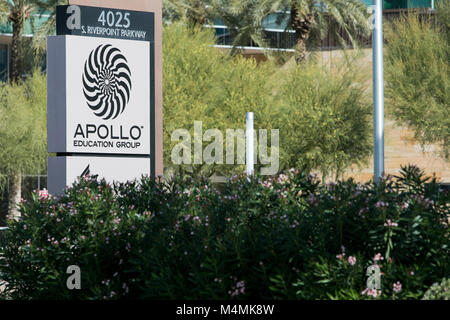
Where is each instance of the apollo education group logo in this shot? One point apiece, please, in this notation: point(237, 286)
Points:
point(108, 96)
point(107, 82)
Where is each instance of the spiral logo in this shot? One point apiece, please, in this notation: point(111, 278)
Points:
point(107, 82)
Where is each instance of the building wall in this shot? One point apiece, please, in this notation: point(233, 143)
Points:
point(400, 150)
point(400, 147)
point(5, 45)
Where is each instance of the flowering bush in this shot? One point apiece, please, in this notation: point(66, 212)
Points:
point(287, 236)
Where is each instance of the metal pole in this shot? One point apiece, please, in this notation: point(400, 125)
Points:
point(249, 144)
point(378, 90)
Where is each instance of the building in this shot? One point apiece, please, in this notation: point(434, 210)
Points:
point(282, 38)
point(279, 35)
point(6, 38)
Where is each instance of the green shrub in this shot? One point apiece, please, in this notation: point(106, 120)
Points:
point(418, 76)
point(202, 83)
point(23, 131)
point(278, 238)
point(438, 291)
point(81, 228)
point(323, 116)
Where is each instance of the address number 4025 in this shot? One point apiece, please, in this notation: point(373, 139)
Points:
point(115, 19)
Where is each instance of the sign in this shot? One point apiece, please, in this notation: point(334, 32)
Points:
point(101, 95)
point(66, 170)
point(105, 22)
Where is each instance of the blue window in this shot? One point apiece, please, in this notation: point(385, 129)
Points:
point(3, 63)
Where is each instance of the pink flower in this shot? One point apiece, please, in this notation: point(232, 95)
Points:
point(43, 194)
point(197, 219)
point(294, 224)
point(282, 178)
point(351, 260)
point(238, 289)
point(405, 205)
point(371, 292)
point(381, 204)
point(378, 257)
point(397, 287)
point(340, 256)
point(390, 223)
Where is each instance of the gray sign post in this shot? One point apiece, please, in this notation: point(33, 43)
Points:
point(378, 90)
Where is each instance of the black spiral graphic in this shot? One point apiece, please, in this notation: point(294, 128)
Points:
point(107, 82)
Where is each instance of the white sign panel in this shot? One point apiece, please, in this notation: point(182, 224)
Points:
point(63, 171)
point(98, 95)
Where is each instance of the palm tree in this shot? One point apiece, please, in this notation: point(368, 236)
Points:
point(49, 26)
point(244, 19)
point(16, 12)
point(308, 18)
point(196, 12)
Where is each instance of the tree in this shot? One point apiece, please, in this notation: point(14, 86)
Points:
point(310, 19)
point(418, 76)
point(49, 26)
point(23, 135)
point(201, 83)
point(245, 19)
point(195, 12)
point(323, 117)
point(16, 12)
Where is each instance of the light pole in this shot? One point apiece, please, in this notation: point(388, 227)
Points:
point(378, 90)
